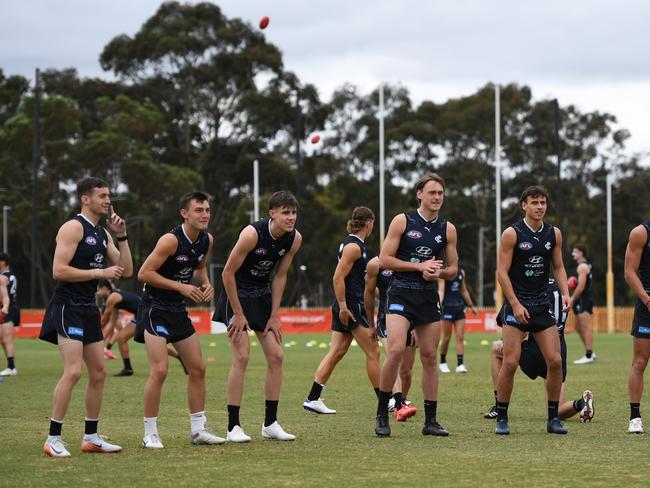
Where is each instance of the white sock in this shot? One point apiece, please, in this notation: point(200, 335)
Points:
point(197, 422)
point(150, 425)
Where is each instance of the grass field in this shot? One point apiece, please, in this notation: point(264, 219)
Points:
point(336, 450)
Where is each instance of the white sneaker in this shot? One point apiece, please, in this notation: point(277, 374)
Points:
point(461, 369)
point(317, 406)
point(55, 447)
point(275, 431)
point(585, 359)
point(152, 441)
point(9, 372)
point(205, 437)
point(96, 443)
point(444, 368)
point(237, 434)
point(636, 426)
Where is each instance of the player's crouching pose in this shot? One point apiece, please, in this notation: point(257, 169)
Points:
point(254, 279)
point(178, 256)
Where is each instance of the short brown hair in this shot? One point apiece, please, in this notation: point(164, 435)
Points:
point(582, 248)
point(282, 199)
point(427, 178)
point(360, 217)
point(85, 186)
point(533, 191)
point(199, 196)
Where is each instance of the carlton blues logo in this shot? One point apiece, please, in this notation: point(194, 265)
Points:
point(414, 234)
point(525, 246)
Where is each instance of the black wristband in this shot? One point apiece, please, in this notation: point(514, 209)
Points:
point(122, 239)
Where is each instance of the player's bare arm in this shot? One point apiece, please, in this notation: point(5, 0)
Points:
point(277, 289)
point(119, 255)
point(349, 255)
point(111, 302)
point(201, 273)
point(583, 273)
point(633, 253)
point(558, 269)
point(67, 239)
point(372, 272)
point(245, 244)
point(464, 292)
point(451, 257)
point(4, 293)
point(506, 249)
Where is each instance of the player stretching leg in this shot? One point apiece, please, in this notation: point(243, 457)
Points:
point(533, 365)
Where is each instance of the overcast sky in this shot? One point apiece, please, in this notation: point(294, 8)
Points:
point(592, 53)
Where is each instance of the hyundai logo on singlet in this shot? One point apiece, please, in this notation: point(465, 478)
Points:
point(525, 246)
point(536, 259)
point(414, 234)
point(424, 251)
point(99, 258)
point(260, 251)
point(91, 241)
point(182, 258)
point(266, 264)
point(185, 271)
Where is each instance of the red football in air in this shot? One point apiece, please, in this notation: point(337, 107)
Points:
point(264, 22)
point(573, 282)
point(315, 138)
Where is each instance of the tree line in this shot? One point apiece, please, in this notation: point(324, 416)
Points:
point(197, 97)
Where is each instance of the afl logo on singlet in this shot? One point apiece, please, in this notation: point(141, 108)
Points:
point(414, 234)
point(182, 258)
point(387, 272)
point(260, 251)
point(525, 246)
point(91, 241)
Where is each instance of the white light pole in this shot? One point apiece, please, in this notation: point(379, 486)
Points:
point(497, 185)
point(382, 198)
point(610, 271)
point(256, 190)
